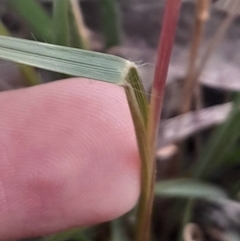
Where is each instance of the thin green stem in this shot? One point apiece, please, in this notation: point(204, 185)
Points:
point(138, 105)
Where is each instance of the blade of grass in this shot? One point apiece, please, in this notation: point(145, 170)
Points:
point(188, 188)
point(190, 82)
point(73, 234)
point(79, 33)
point(231, 14)
point(181, 127)
point(232, 156)
point(187, 216)
point(29, 73)
point(217, 149)
point(191, 88)
point(3, 30)
point(61, 22)
point(66, 60)
point(117, 230)
point(167, 36)
point(36, 18)
point(110, 23)
point(231, 6)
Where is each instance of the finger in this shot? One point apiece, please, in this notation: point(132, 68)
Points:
point(68, 157)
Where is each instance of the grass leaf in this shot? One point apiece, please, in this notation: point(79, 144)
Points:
point(35, 16)
point(66, 60)
point(78, 31)
point(117, 230)
point(217, 149)
point(110, 22)
point(72, 234)
point(61, 22)
point(3, 29)
point(29, 73)
point(231, 6)
point(188, 188)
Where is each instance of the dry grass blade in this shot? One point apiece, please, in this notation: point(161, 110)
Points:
point(231, 6)
point(220, 82)
point(81, 31)
point(231, 13)
point(185, 125)
point(190, 82)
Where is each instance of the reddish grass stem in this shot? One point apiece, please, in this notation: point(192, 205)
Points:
point(166, 42)
point(170, 18)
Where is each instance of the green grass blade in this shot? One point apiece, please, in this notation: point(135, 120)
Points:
point(73, 234)
point(110, 22)
point(3, 29)
point(61, 22)
point(217, 149)
point(29, 73)
point(139, 92)
point(66, 60)
point(117, 230)
point(78, 32)
point(35, 16)
point(188, 188)
point(187, 216)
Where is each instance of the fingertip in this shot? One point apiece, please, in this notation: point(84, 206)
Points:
point(70, 157)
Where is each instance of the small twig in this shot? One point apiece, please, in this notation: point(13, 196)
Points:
point(180, 127)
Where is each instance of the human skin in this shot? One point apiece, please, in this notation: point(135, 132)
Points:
point(68, 157)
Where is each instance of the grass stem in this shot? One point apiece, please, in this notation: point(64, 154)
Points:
point(167, 36)
point(202, 15)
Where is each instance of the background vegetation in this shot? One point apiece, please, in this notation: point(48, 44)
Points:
point(197, 153)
